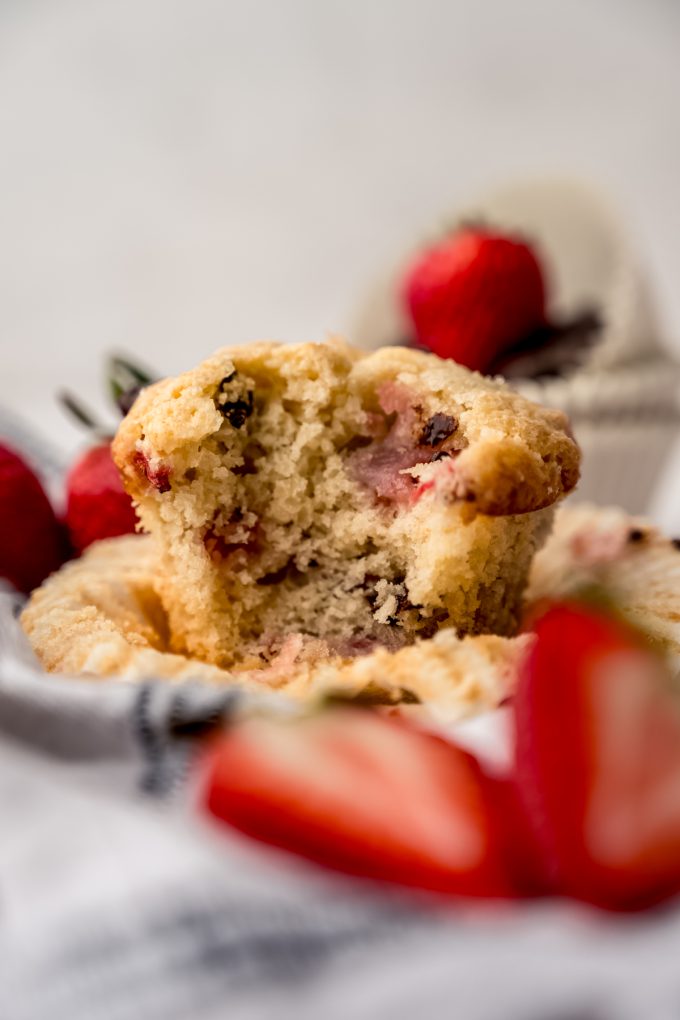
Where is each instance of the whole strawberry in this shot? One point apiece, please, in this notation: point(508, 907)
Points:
point(97, 504)
point(474, 295)
point(31, 542)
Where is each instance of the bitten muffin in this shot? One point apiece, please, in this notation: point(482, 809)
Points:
point(352, 501)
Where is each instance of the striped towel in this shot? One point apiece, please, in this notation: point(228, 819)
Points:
point(120, 900)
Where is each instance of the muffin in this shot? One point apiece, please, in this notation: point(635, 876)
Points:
point(343, 501)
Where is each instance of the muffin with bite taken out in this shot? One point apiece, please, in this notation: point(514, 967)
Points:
point(316, 500)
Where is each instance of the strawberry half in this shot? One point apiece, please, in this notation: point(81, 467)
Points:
point(364, 794)
point(475, 295)
point(598, 760)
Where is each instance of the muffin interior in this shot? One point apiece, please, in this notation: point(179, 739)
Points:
point(301, 503)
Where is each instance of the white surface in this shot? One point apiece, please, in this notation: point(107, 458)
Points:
point(177, 174)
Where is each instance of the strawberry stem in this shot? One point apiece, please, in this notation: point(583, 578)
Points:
point(83, 415)
point(126, 379)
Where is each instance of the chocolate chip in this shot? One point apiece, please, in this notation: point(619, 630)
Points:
point(276, 576)
point(408, 697)
point(357, 443)
point(636, 535)
point(235, 411)
point(247, 468)
point(438, 428)
point(675, 542)
point(373, 695)
point(431, 625)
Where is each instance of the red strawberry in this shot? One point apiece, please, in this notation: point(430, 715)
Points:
point(97, 504)
point(31, 542)
point(474, 295)
point(365, 794)
point(522, 851)
point(598, 760)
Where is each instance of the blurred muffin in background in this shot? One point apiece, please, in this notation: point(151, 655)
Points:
point(539, 282)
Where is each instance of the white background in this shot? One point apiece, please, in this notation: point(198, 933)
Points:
point(179, 174)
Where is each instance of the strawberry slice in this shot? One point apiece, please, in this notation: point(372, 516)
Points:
point(365, 794)
point(522, 850)
point(598, 760)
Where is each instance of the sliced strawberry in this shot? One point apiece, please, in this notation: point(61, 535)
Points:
point(598, 760)
point(365, 794)
point(523, 854)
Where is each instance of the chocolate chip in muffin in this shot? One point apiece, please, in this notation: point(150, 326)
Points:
point(373, 695)
point(235, 411)
point(432, 623)
point(438, 428)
